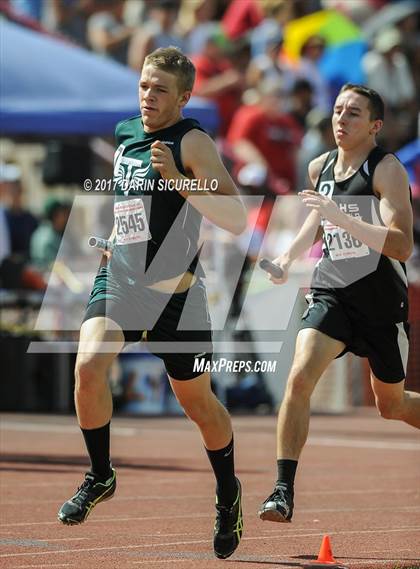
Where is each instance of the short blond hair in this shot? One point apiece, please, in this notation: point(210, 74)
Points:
point(172, 60)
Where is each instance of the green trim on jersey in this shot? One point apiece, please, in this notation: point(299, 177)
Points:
point(151, 220)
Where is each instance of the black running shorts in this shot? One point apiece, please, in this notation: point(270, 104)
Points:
point(178, 321)
point(384, 345)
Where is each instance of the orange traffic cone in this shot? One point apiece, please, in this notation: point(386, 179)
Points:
point(325, 553)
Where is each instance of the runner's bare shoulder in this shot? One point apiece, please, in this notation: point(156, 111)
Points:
point(315, 167)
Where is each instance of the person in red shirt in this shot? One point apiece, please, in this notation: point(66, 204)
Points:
point(264, 140)
point(266, 135)
point(218, 79)
point(242, 16)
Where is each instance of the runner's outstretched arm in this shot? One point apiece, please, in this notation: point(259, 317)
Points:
point(390, 184)
point(201, 160)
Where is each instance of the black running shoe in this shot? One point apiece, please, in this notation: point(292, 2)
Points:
point(278, 507)
point(228, 527)
point(90, 493)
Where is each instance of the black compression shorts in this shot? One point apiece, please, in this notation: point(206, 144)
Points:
point(178, 321)
point(385, 345)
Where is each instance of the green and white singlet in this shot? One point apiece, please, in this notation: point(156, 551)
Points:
point(157, 230)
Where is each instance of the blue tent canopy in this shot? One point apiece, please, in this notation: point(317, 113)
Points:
point(49, 87)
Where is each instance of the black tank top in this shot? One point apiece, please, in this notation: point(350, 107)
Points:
point(371, 286)
point(157, 230)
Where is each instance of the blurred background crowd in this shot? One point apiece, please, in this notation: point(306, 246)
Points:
point(270, 69)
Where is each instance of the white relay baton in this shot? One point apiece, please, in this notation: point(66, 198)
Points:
point(100, 243)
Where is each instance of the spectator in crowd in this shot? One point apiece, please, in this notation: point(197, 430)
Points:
point(243, 16)
point(107, 32)
point(160, 30)
point(408, 26)
point(71, 17)
point(194, 18)
point(276, 14)
point(134, 12)
point(264, 139)
point(301, 100)
point(238, 54)
point(267, 41)
point(217, 79)
point(48, 237)
point(388, 72)
point(310, 55)
point(20, 222)
point(318, 138)
point(265, 134)
point(240, 17)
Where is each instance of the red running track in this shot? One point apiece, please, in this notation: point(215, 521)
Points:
point(358, 482)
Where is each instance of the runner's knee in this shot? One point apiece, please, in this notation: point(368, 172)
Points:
point(389, 409)
point(300, 384)
point(88, 374)
point(200, 411)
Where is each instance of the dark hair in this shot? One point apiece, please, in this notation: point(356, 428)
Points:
point(301, 85)
point(172, 60)
point(376, 104)
point(54, 205)
point(319, 41)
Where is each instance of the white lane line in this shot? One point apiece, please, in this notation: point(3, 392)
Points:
point(385, 550)
point(290, 556)
point(361, 510)
point(110, 519)
point(49, 540)
point(205, 496)
point(348, 563)
point(199, 541)
point(286, 558)
point(43, 566)
point(385, 561)
point(357, 443)
point(113, 519)
point(162, 561)
point(65, 539)
point(52, 428)
point(69, 480)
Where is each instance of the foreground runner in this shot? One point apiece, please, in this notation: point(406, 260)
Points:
point(153, 283)
point(359, 297)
